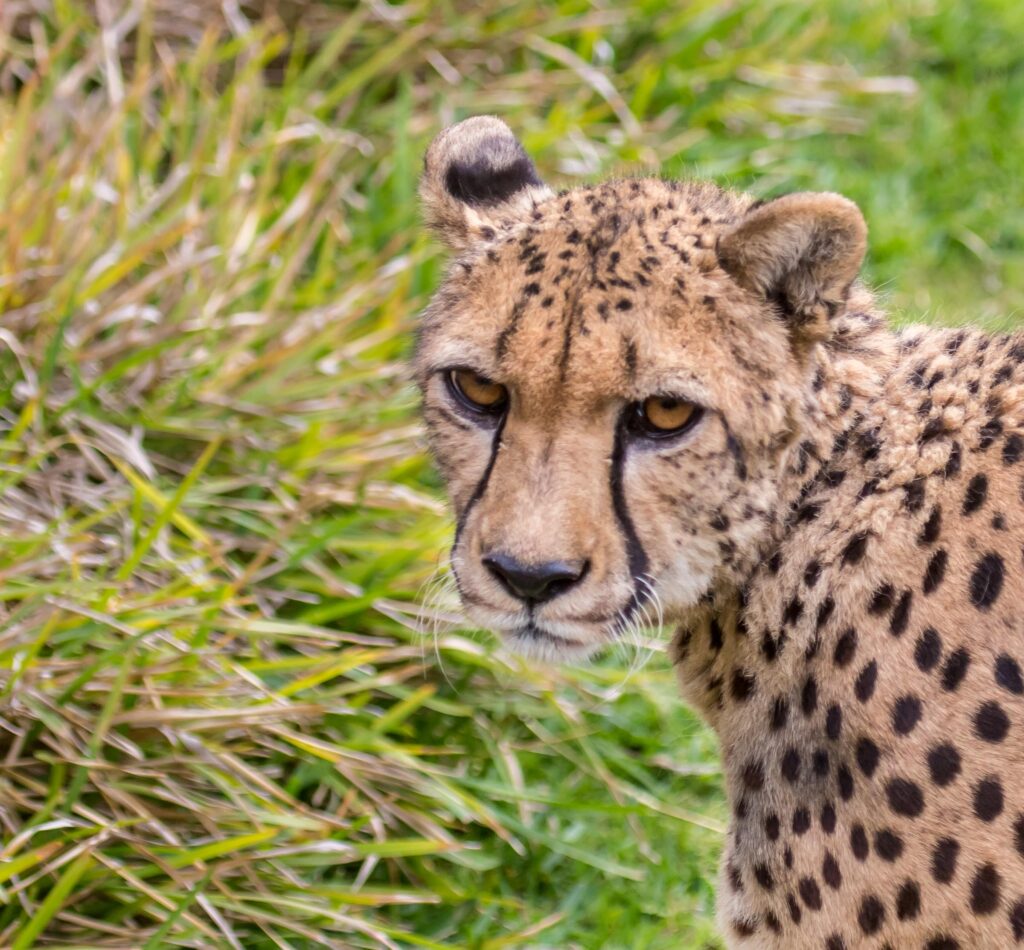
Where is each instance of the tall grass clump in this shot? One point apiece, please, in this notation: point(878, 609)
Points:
point(233, 713)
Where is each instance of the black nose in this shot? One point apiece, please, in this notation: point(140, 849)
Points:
point(534, 583)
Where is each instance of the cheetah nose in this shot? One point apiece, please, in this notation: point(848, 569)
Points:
point(534, 583)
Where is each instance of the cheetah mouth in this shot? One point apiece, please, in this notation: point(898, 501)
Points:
point(533, 632)
point(538, 641)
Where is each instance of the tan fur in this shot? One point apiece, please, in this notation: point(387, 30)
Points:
point(841, 530)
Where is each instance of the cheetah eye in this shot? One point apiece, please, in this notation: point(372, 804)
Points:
point(477, 393)
point(659, 417)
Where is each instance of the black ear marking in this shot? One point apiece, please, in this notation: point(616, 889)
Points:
point(497, 170)
point(478, 181)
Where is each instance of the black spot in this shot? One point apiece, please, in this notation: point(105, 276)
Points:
point(792, 612)
point(810, 893)
point(859, 842)
point(864, 687)
point(1008, 674)
point(989, 433)
point(955, 669)
point(905, 797)
point(845, 779)
point(985, 890)
point(974, 497)
point(794, 909)
point(846, 646)
point(716, 638)
point(871, 915)
point(744, 928)
point(773, 922)
point(824, 612)
point(901, 615)
point(801, 821)
point(935, 571)
point(771, 827)
point(780, 713)
point(753, 776)
point(988, 798)
point(944, 763)
point(882, 599)
point(809, 696)
point(830, 871)
point(991, 722)
point(914, 499)
point(932, 429)
point(835, 942)
point(624, 303)
point(944, 858)
point(774, 563)
point(742, 687)
point(867, 756)
point(955, 460)
point(942, 942)
point(927, 650)
point(833, 722)
point(531, 289)
point(481, 182)
point(735, 880)
point(906, 713)
point(987, 581)
point(853, 553)
point(1018, 835)
point(828, 818)
point(791, 765)
point(1017, 920)
point(820, 760)
point(1013, 449)
point(812, 573)
point(932, 527)
point(908, 901)
point(834, 477)
point(888, 845)
point(870, 445)
point(763, 876)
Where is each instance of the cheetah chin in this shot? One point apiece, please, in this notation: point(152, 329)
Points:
point(658, 401)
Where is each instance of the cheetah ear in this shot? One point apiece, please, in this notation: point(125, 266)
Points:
point(802, 252)
point(477, 179)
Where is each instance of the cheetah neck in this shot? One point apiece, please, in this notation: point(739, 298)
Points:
point(845, 380)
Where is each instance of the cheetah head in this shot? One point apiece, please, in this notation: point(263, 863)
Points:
point(612, 378)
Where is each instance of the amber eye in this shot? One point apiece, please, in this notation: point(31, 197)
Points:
point(477, 392)
point(658, 417)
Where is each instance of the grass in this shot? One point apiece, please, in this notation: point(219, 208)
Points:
point(220, 725)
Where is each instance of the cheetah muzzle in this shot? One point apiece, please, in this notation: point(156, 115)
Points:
point(653, 396)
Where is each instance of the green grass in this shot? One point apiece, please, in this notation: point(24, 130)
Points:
point(219, 725)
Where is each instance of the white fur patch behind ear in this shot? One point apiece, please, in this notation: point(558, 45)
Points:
point(477, 178)
point(800, 251)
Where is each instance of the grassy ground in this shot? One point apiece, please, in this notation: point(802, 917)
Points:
point(218, 727)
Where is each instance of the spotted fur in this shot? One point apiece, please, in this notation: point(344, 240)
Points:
point(839, 538)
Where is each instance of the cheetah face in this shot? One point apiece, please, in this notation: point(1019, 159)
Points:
point(610, 379)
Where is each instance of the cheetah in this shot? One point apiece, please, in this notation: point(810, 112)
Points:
point(650, 392)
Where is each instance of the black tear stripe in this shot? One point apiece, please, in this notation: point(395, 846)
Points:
point(481, 486)
point(635, 553)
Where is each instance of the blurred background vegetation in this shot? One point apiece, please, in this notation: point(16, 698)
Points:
point(220, 722)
